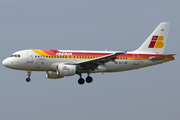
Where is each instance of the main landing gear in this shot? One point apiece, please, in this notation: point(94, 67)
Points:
point(82, 81)
point(29, 74)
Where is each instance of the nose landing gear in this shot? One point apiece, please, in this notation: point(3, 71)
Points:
point(29, 74)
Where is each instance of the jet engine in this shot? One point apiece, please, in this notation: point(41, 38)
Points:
point(66, 70)
point(62, 70)
point(52, 75)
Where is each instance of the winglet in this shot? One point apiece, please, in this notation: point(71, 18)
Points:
point(119, 53)
point(125, 52)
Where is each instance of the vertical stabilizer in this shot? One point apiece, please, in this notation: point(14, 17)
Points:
point(156, 42)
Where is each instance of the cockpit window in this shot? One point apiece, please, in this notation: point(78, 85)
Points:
point(16, 55)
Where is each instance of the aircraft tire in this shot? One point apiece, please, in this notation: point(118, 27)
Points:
point(89, 79)
point(81, 81)
point(28, 79)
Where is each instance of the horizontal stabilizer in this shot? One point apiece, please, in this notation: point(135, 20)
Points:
point(160, 57)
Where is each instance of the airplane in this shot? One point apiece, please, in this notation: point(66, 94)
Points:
point(62, 63)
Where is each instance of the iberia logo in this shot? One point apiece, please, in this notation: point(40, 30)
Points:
point(156, 42)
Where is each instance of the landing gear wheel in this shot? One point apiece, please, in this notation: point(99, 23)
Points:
point(81, 81)
point(89, 79)
point(28, 79)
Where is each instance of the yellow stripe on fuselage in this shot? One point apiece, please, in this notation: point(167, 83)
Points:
point(40, 52)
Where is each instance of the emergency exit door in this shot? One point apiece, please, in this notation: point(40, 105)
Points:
point(136, 59)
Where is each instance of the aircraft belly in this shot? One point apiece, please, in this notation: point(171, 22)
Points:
point(129, 65)
point(118, 66)
point(101, 69)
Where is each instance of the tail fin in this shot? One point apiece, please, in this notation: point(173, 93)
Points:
point(156, 42)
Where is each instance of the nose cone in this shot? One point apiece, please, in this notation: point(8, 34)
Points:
point(11, 63)
point(5, 63)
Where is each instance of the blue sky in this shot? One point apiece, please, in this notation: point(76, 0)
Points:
point(147, 93)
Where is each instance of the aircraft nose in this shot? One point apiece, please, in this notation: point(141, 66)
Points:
point(5, 63)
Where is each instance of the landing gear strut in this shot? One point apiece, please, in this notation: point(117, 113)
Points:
point(29, 74)
point(89, 79)
point(81, 80)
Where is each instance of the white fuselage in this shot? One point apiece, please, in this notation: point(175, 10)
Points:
point(29, 60)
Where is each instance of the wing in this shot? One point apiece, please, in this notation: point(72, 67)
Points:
point(92, 64)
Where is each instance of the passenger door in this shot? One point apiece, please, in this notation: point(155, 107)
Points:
point(29, 57)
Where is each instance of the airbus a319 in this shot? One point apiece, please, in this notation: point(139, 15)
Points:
point(61, 63)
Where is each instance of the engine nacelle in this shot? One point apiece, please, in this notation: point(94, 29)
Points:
point(52, 75)
point(66, 70)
